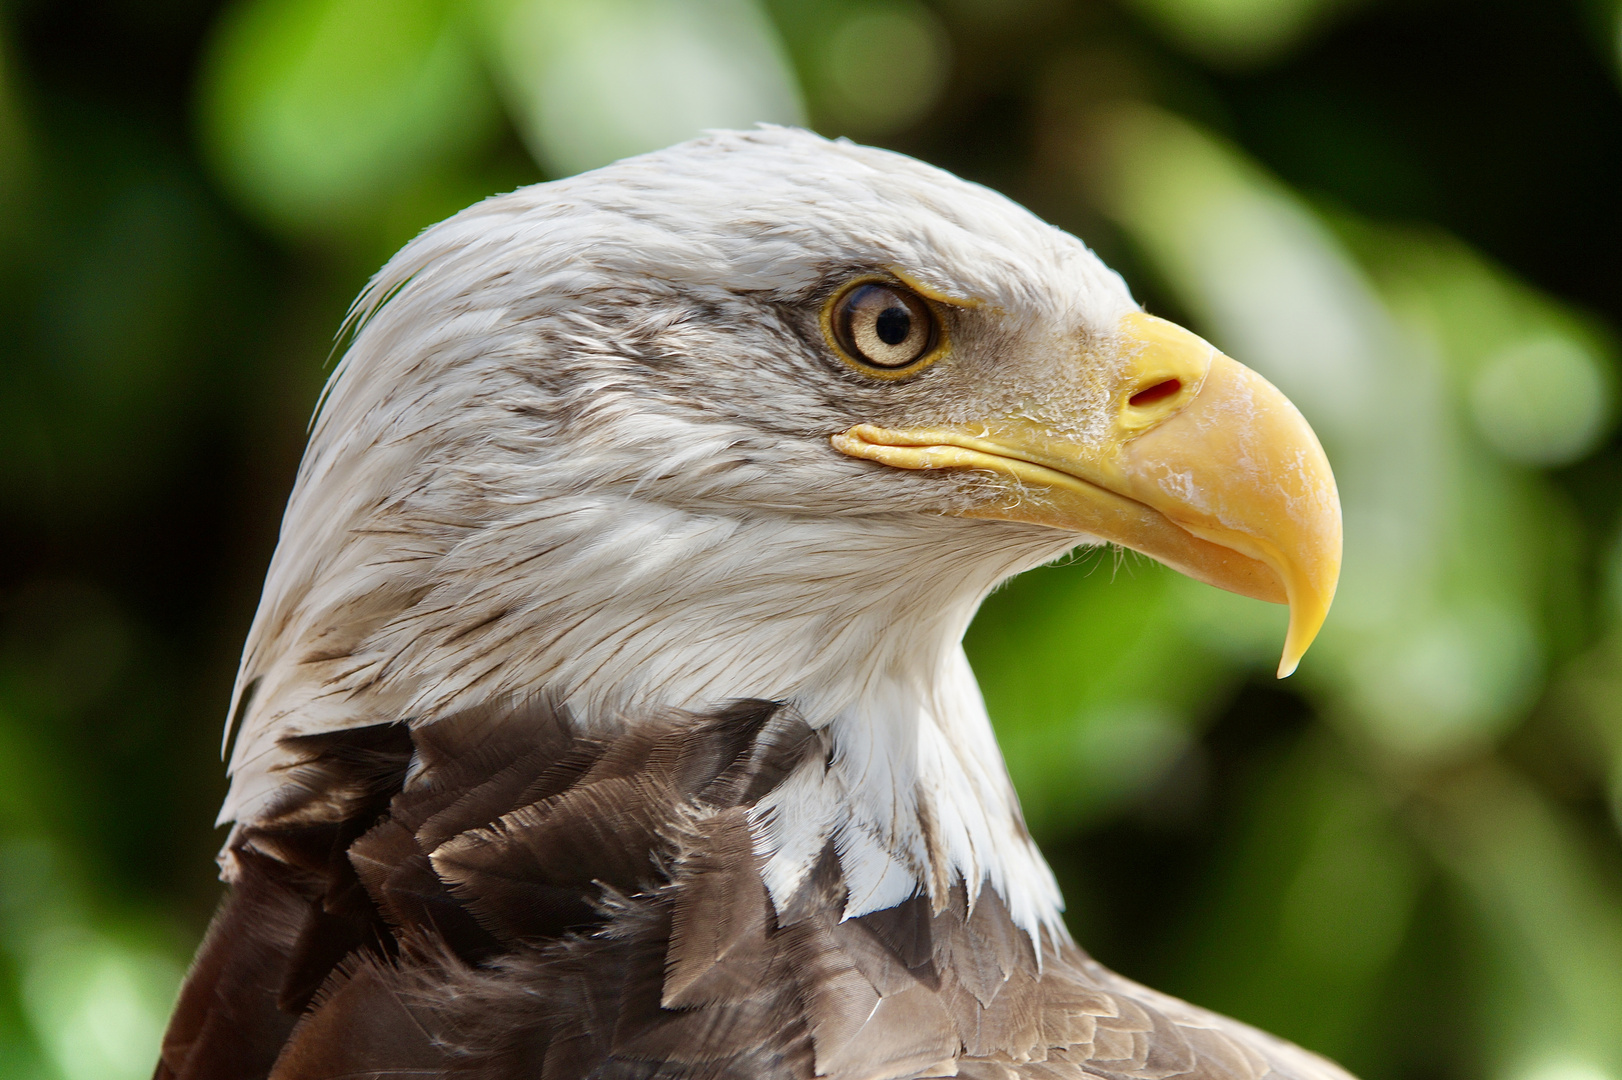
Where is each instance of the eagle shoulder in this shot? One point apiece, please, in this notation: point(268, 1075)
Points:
point(497, 895)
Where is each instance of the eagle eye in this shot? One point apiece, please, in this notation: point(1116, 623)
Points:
point(883, 326)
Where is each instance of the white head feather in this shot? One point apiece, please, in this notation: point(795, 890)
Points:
point(579, 446)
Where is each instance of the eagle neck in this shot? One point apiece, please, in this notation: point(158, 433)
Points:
point(622, 607)
point(910, 791)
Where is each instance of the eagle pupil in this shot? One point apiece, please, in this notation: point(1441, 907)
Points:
point(893, 325)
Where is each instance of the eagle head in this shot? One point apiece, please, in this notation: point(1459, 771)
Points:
point(759, 416)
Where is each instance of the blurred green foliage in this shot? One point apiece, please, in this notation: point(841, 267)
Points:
point(1403, 213)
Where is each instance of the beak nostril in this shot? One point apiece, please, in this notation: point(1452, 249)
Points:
point(1160, 391)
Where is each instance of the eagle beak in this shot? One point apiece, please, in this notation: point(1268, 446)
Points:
point(1205, 467)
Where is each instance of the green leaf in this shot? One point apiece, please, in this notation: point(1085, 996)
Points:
point(1317, 888)
point(870, 67)
point(1091, 681)
point(1550, 920)
point(313, 109)
point(1238, 33)
point(592, 83)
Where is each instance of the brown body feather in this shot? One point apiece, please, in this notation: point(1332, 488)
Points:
point(495, 896)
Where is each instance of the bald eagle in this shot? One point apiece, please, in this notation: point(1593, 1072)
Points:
point(605, 713)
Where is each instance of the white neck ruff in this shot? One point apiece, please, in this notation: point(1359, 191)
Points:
point(615, 604)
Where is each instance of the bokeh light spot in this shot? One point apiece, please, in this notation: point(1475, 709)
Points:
point(883, 66)
point(1545, 401)
point(592, 83)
